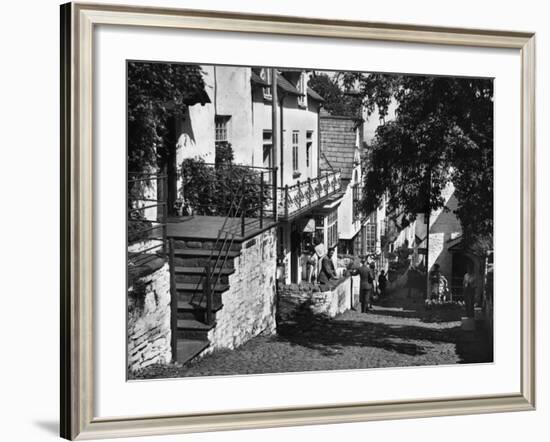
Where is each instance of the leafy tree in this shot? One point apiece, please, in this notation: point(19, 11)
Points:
point(337, 102)
point(157, 92)
point(442, 132)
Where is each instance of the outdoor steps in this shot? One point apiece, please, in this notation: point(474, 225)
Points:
point(192, 287)
point(200, 257)
point(187, 349)
point(190, 258)
point(193, 329)
point(197, 274)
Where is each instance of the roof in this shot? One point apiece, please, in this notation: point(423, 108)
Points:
point(314, 95)
point(287, 86)
point(255, 78)
point(479, 246)
point(338, 147)
point(282, 82)
point(197, 97)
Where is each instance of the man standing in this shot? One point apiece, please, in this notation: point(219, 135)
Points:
point(328, 271)
point(382, 283)
point(366, 285)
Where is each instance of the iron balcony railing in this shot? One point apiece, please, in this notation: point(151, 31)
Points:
point(255, 186)
point(303, 196)
point(146, 217)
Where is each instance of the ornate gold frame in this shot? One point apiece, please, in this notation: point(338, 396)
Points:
point(77, 393)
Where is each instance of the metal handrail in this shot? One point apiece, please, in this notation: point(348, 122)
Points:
point(156, 224)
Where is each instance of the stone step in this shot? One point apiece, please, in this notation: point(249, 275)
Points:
point(201, 261)
point(204, 253)
point(196, 274)
point(192, 298)
point(187, 349)
point(194, 287)
point(201, 270)
point(193, 243)
point(191, 324)
point(187, 306)
point(192, 328)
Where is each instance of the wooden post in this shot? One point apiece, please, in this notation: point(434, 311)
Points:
point(286, 201)
point(428, 213)
point(277, 155)
point(207, 290)
point(309, 190)
point(243, 207)
point(261, 200)
point(173, 302)
point(298, 193)
point(275, 214)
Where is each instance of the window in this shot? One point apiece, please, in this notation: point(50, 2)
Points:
point(320, 228)
point(295, 145)
point(309, 145)
point(222, 123)
point(332, 229)
point(267, 151)
point(370, 240)
point(265, 75)
point(302, 88)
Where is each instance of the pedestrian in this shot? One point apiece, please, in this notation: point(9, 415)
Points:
point(382, 283)
point(469, 289)
point(320, 252)
point(328, 272)
point(373, 282)
point(311, 265)
point(435, 285)
point(365, 286)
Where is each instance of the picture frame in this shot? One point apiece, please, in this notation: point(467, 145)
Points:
point(78, 21)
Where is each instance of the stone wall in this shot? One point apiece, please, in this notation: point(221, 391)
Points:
point(249, 304)
point(312, 298)
point(148, 325)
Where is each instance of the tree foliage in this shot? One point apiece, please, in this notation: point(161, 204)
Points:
point(224, 188)
point(337, 102)
point(442, 132)
point(157, 92)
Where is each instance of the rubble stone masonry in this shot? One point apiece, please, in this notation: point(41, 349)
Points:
point(148, 323)
point(249, 305)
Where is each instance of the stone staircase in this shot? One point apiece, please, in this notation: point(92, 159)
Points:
point(190, 257)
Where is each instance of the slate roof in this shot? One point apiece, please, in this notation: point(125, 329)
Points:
point(255, 78)
point(338, 144)
point(314, 95)
point(282, 82)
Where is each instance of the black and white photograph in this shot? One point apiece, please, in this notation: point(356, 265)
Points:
point(285, 219)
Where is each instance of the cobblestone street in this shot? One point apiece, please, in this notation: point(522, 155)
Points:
point(398, 332)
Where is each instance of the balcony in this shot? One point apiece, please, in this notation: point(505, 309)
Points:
point(295, 200)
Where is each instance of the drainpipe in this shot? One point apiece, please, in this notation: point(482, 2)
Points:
point(281, 129)
point(319, 141)
point(274, 131)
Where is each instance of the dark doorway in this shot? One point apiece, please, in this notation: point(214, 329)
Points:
point(171, 168)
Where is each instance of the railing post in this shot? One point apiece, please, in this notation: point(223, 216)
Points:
point(243, 207)
point(299, 190)
point(286, 201)
point(207, 290)
point(309, 191)
point(164, 213)
point(261, 200)
point(173, 302)
point(275, 214)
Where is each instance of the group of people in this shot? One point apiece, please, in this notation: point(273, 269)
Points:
point(320, 268)
point(370, 285)
point(439, 289)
